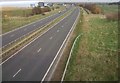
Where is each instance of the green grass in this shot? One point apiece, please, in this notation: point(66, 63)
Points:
point(98, 58)
point(10, 23)
point(71, 70)
point(109, 8)
point(104, 34)
point(103, 48)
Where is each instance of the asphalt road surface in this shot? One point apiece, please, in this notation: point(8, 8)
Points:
point(8, 38)
point(31, 63)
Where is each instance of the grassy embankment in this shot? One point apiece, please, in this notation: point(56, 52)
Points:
point(62, 62)
point(14, 18)
point(95, 56)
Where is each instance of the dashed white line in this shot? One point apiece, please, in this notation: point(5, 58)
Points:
point(31, 41)
point(16, 73)
point(57, 30)
point(39, 50)
point(50, 37)
point(58, 53)
point(27, 24)
point(62, 26)
point(25, 29)
point(33, 25)
point(12, 35)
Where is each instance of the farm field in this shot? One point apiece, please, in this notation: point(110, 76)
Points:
point(15, 11)
point(109, 8)
point(95, 55)
point(9, 8)
point(15, 18)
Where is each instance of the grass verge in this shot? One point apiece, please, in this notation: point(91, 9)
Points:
point(95, 56)
point(61, 65)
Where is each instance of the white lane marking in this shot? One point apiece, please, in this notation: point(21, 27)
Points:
point(62, 26)
point(50, 37)
point(12, 35)
point(75, 23)
point(33, 40)
point(16, 73)
point(58, 30)
point(59, 50)
point(39, 50)
point(25, 29)
point(33, 25)
point(28, 24)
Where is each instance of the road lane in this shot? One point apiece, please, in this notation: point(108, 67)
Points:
point(34, 64)
point(8, 38)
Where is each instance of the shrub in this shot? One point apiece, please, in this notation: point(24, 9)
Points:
point(43, 14)
point(96, 9)
point(36, 10)
point(93, 8)
point(81, 5)
point(57, 7)
point(52, 8)
point(45, 9)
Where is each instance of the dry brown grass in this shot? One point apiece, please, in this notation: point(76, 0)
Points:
point(61, 65)
point(12, 8)
point(113, 16)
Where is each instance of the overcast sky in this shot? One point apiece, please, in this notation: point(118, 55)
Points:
point(26, 3)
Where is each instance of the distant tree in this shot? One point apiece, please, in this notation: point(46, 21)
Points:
point(46, 9)
point(36, 10)
point(93, 8)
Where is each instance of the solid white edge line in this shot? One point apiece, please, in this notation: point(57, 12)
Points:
point(69, 58)
point(28, 24)
point(32, 41)
point(70, 53)
point(42, 27)
point(58, 30)
point(16, 73)
point(31, 31)
point(60, 55)
point(25, 25)
point(50, 38)
point(57, 54)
